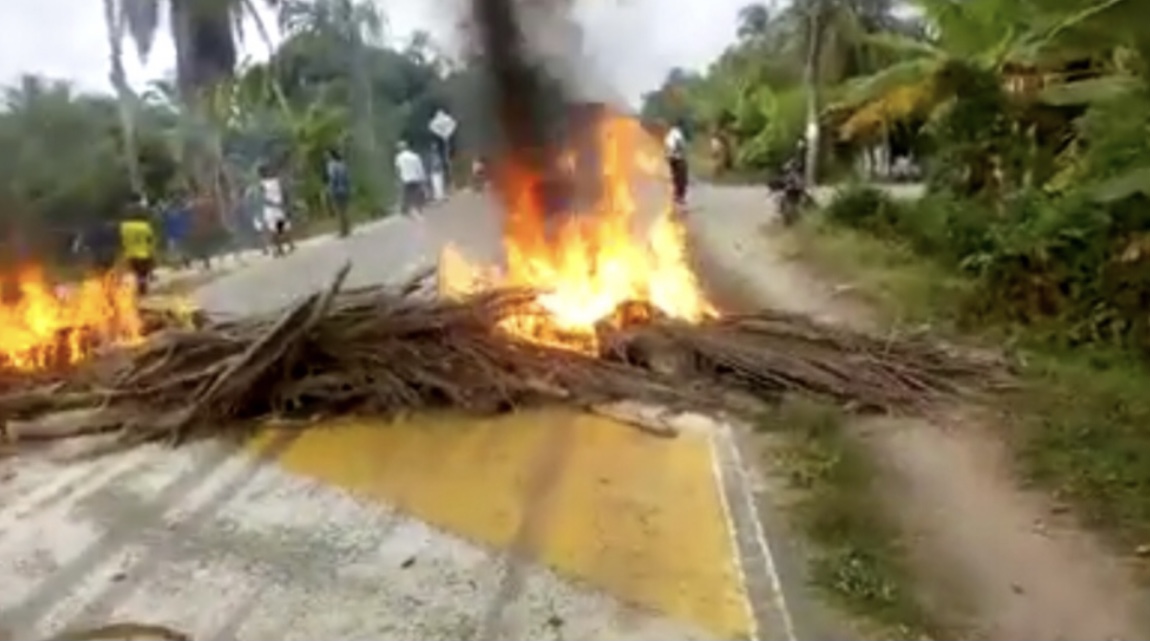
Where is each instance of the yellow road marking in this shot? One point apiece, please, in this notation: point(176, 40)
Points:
point(639, 517)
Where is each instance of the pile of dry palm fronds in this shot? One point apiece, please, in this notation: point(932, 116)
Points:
point(385, 351)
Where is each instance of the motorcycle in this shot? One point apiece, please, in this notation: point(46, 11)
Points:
point(791, 197)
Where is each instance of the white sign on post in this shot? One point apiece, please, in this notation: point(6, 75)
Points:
point(442, 125)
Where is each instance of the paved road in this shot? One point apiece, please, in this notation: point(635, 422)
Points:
point(385, 250)
point(545, 524)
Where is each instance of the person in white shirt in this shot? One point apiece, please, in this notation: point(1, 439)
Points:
point(412, 180)
point(675, 143)
point(275, 221)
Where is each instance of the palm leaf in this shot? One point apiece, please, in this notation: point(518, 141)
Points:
point(895, 106)
point(1131, 183)
point(901, 44)
point(1084, 92)
point(868, 89)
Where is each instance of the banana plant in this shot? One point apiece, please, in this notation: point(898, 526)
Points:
point(989, 34)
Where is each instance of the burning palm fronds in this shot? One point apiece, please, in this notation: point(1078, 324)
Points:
point(385, 352)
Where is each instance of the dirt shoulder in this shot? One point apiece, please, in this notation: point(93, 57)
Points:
point(975, 555)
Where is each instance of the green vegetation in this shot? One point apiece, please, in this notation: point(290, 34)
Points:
point(1030, 123)
point(1031, 119)
point(1002, 102)
point(1064, 266)
point(858, 562)
point(333, 82)
point(1078, 425)
point(896, 281)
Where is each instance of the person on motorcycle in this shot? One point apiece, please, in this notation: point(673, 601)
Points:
point(793, 175)
point(793, 190)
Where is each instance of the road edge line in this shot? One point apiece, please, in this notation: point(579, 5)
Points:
point(750, 540)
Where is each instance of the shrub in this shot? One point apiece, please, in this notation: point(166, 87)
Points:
point(867, 208)
point(941, 226)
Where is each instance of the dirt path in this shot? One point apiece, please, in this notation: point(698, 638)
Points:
point(994, 560)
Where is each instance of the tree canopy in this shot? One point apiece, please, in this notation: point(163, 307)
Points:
point(882, 66)
point(1031, 119)
point(333, 83)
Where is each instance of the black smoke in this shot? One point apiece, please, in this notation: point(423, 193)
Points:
point(538, 116)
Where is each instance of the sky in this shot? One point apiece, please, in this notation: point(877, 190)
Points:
point(632, 43)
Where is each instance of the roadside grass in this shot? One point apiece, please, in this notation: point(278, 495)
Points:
point(856, 558)
point(888, 276)
point(1080, 423)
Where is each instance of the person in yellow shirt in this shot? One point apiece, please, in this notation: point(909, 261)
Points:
point(138, 244)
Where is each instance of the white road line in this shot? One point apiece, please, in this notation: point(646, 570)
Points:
point(732, 531)
point(760, 537)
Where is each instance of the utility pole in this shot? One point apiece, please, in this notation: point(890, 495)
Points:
point(811, 79)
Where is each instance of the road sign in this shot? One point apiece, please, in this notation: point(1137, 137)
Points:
point(442, 125)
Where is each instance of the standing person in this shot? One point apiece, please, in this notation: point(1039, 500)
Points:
point(412, 180)
point(720, 153)
point(275, 220)
point(338, 182)
point(438, 177)
point(675, 144)
point(252, 217)
point(138, 244)
point(176, 223)
point(102, 242)
point(203, 229)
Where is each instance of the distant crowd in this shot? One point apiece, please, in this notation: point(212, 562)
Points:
point(180, 229)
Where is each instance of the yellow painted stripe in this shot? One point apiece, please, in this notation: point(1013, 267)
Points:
point(639, 517)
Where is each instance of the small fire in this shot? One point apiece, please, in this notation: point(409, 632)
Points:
point(44, 328)
point(592, 265)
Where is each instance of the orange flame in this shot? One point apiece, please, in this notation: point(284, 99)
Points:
point(591, 264)
point(45, 328)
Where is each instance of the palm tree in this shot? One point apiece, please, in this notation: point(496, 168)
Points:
point(355, 25)
point(821, 41)
point(125, 98)
point(205, 32)
point(206, 35)
point(754, 19)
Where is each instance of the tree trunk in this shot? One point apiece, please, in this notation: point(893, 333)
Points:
point(205, 56)
point(363, 109)
point(125, 98)
point(811, 79)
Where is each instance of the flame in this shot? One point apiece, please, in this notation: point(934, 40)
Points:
point(45, 328)
point(591, 265)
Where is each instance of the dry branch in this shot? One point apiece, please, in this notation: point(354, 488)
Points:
point(388, 351)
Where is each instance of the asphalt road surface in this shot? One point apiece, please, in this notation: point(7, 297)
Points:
point(542, 525)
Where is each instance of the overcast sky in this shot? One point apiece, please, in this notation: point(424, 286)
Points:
point(634, 42)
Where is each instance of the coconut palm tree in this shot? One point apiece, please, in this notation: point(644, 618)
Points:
point(823, 40)
point(754, 20)
point(206, 34)
point(354, 25)
point(125, 98)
